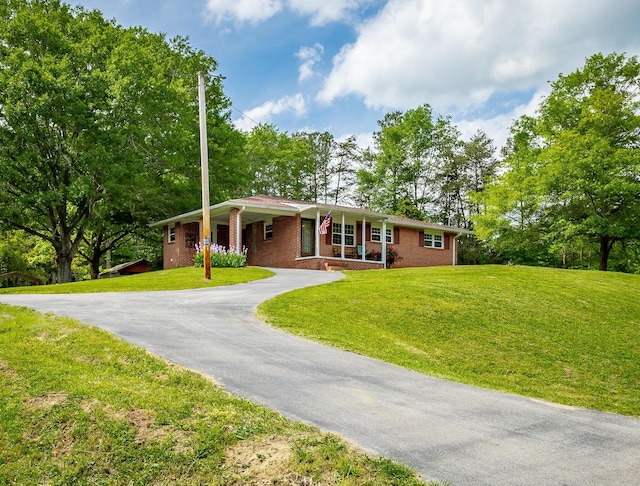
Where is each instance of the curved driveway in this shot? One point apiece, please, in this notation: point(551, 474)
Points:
point(447, 431)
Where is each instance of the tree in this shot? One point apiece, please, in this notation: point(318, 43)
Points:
point(346, 158)
point(572, 173)
point(512, 217)
point(21, 252)
point(281, 165)
point(411, 150)
point(321, 147)
point(590, 168)
point(95, 121)
point(480, 165)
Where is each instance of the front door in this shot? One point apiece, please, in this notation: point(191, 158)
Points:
point(308, 237)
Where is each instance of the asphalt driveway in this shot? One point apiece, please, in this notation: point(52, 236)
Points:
point(447, 431)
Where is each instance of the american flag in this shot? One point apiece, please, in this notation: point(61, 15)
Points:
point(325, 224)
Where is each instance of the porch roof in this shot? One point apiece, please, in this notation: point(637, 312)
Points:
point(256, 208)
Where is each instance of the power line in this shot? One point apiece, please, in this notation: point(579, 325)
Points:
point(245, 115)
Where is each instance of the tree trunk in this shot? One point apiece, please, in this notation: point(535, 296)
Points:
point(66, 249)
point(96, 253)
point(95, 264)
point(63, 263)
point(605, 248)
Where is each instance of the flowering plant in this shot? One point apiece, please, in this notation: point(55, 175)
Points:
point(221, 257)
point(392, 256)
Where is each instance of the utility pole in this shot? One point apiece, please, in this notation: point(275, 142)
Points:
point(204, 167)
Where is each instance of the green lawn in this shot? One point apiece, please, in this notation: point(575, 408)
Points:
point(174, 279)
point(79, 406)
point(572, 337)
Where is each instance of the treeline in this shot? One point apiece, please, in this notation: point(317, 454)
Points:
point(99, 137)
point(419, 167)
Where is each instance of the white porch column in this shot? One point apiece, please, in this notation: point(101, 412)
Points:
point(342, 239)
point(383, 237)
point(317, 235)
point(239, 231)
point(364, 237)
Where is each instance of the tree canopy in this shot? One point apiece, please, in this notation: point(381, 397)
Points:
point(97, 124)
point(572, 173)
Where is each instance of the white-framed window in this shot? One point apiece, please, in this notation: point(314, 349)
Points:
point(433, 241)
point(376, 234)
point(171, 234)
point(349, 234)
point(268, 231)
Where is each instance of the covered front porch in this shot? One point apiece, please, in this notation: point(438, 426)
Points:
point(280, 238)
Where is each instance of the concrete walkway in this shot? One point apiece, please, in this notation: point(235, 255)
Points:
point(447, 431)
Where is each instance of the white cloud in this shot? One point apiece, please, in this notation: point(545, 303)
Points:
point(265, 112)
point(251, 11)
point(497, 127)
point(309, 56)
point(254, 11)
point(456, 55)
point(324, 11)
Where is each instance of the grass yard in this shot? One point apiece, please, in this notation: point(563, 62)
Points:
point(174, 279)
point(79, 406)
point(572, 337)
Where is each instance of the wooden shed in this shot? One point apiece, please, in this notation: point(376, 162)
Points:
point(129, 268)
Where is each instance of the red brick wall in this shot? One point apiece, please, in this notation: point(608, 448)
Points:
point(414, 255)
point(279, 251)
point(170, 250)
point(180, 252)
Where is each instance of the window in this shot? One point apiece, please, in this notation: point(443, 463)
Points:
point(376, 234)
point(433, 241)
point(349, 234)
point(268, 231)
point(171, 235)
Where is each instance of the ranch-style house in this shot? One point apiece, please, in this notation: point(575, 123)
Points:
point(278, 232)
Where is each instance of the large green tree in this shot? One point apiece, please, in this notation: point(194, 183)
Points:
point(411, 150)
point(97, 125)
point(590, 169)
point(281, 165)
point(572, 174)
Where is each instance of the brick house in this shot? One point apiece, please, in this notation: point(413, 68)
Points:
point(280, 232)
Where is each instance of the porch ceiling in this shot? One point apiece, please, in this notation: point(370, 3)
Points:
point(249, 215)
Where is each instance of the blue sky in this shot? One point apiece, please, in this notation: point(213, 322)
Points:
point(340, 65)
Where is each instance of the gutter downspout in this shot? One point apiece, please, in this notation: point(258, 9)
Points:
point(454, 247)
point(239, 231)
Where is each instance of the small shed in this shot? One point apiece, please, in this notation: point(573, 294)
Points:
point(129, 268)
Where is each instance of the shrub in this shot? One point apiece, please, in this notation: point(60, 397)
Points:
point(221, 257)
